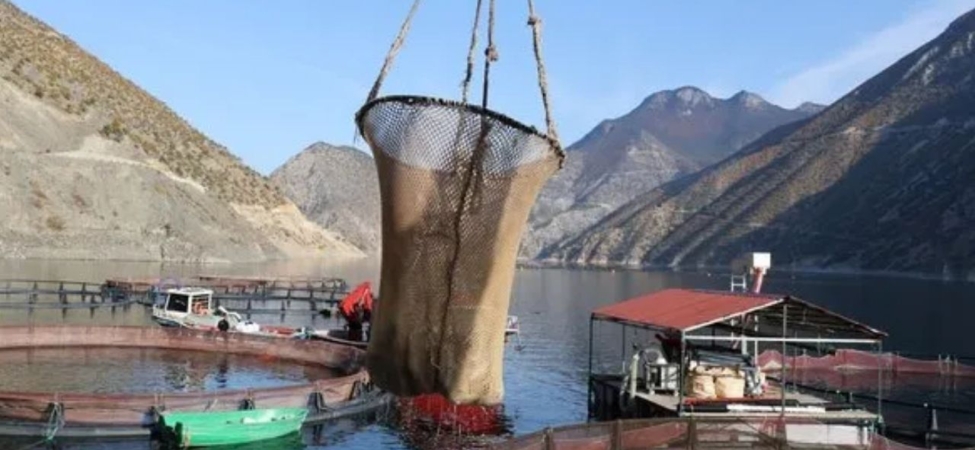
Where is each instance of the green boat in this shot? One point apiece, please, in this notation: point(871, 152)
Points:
point(217, 428)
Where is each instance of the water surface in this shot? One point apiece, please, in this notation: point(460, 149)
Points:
point(149, 371)
point(545, 379)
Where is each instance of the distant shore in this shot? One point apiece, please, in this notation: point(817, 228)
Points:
point(723, 269)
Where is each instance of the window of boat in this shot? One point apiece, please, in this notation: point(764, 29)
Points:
point(178, 302)
point(201, 304)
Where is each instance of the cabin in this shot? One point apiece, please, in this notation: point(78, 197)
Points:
point(719, 355)
point(178, 303)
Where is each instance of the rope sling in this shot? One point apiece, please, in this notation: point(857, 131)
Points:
point(457, 182)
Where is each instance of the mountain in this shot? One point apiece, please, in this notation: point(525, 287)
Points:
point(93, 167)
point(338, 188)
point(882, 180)
point(670, 134)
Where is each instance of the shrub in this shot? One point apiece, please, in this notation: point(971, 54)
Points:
point(55, 223)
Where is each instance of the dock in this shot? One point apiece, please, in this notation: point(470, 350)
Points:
point(701, 359)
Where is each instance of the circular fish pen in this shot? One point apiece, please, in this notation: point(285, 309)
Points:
point(131, 414)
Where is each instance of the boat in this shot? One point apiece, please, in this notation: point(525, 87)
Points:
point(341, 335)
point(338, 336)
point(192, 307)
point(217, 428)
point(512, 327)
point(356, 310)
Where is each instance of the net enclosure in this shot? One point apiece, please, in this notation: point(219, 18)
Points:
point(699, 433)
point(457, 182)
point(119, 413)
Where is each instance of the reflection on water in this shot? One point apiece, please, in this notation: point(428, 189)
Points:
point(124, 370)
point(545, 382)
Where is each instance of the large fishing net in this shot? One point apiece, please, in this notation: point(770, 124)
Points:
point(457, 183)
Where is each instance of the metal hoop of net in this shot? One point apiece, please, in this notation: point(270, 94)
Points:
point(457, 182)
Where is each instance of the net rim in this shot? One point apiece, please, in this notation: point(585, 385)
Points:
point(357, 373)
point(500, 117)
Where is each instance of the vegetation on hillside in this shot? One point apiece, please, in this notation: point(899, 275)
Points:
point(51, 67)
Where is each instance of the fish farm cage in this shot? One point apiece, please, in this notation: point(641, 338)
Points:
point(700, 433)
point(68, 414)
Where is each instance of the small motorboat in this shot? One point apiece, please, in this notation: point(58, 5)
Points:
point(216, 428)
point(341, 335)
point(356, 310)
point(192, 307)
point(511, 328)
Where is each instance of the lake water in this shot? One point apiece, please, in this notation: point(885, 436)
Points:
point(146, 371)
point(545, 376)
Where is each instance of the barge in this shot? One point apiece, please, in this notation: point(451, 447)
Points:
point(695, 354)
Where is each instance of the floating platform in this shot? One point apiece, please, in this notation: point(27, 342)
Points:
point(241, 293)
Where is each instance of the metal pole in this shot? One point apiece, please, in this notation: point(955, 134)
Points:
point(880, 382)
point(623, 343)
point(755, 353)
point(785, 313)
point(589, 377)
point(683, 375)
point(789, 340)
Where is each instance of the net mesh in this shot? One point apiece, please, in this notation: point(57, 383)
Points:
point(457, 183)
point(854, 360)
point(754, 433)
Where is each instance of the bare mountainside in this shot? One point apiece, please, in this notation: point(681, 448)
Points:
point(882, 180)
point(94, 167)
point(338, 188)
point(670, 134)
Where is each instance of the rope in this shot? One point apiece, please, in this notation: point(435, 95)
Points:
point(55, 422)
point(470, 54)
point(393, 50)
point(490, 55)
point(536, 23)
point(34, 445)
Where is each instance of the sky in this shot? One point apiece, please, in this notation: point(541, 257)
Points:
point(267, 79)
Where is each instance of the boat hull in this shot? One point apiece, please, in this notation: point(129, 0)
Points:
point(208, 429)
point(338, 336)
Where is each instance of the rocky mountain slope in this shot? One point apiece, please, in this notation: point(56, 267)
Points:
point(338, 188)
point(94, 167)
point(884, 179)
point(670, 134)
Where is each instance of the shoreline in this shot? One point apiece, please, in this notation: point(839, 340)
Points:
point(522, 264)
point(804, 270)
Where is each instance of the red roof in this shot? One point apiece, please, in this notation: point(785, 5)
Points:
point(684, 309)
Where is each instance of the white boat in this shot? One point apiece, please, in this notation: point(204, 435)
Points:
point(511, 327)
point(192, 307)
point(341, 335)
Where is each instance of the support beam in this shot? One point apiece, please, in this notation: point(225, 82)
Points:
point(788, 339)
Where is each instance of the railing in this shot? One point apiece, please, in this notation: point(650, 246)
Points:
point(240, 294)
point(690, 432)
point(40, 294)
point(931, 434)
point(255, 295)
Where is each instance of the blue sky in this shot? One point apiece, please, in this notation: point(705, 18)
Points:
point(268, 78)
